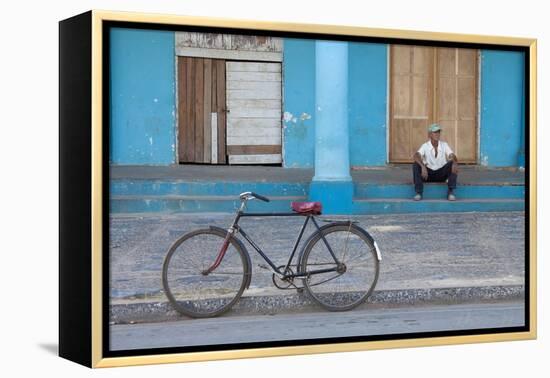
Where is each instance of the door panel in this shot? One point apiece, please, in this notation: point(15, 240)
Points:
point(466, 98)
point(446, 98)
point(422, 59)
point(186, 117)
point(254, 130)
point(401, 60)
point(401, 139)
point(201, 121)
point(446, 65)
point(199, 111)
point(220, 109)
point(411, 90)
point(467, 62)
point(207, 116)
point(449, 127)
point(428, 85)
point(402, 99)
point(418, 135)
point(457, 89)
point(420, 97)
point(467, 141)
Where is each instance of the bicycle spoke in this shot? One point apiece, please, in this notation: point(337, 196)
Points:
point(201, 295)
point(357, 275)
point(326, 280)
point(357, 258)
point(346, 245)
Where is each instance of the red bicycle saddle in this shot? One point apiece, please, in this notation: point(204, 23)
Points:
point(305, 208)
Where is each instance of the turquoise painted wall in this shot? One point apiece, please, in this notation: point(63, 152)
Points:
point(298, 103)
point(502, 108)
point(368, 75)
point(142, 91)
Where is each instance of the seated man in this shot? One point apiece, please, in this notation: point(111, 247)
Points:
point(435, 162)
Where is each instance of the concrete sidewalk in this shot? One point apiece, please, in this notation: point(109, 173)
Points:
point(428, 258)
point(396, 174)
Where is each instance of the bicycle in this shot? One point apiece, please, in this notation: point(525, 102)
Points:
point(206, 271)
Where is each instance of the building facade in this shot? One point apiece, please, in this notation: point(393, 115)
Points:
point(222, 99)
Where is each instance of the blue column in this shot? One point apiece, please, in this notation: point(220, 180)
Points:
point(521, 152)
point(332, 183)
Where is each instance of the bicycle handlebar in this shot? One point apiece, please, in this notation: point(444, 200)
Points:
point(265, 199)
point(244, 196)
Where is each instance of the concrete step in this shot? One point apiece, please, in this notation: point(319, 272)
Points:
point(133, 187)
point(439, 191)
point(196, 204)
point(400, 205)
point(174, 196)
point(361, 190)
point(228, 204)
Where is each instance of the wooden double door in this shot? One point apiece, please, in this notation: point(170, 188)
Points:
point(229, 112)
point(433, 84)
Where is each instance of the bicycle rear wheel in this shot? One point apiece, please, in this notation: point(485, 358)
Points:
point(199, 295)
point(355, 279)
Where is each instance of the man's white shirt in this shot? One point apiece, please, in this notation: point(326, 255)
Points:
point(427, 151)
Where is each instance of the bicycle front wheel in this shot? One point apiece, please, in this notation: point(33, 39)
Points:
point(194, 293)
point(350, 283)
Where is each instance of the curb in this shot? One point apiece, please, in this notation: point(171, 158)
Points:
point(163, 311)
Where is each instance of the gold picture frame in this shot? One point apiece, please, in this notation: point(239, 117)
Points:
point(90, 329)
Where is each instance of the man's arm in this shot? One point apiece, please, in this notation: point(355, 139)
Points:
point(454, 167)
point(418, 159)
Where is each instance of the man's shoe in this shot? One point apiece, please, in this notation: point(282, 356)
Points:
point(451, 197)
point(417, 197)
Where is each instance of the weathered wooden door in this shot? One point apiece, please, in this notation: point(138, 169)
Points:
point(254, 112)
point(428, 85)
point(201, 110)
point(411, 99)
point(456, 100)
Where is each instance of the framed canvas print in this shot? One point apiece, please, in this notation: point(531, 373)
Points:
point(234, 189)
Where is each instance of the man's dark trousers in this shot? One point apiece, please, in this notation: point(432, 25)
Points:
point(439, 175)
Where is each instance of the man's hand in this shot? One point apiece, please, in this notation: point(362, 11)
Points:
point(454, 166)
point(424, 172)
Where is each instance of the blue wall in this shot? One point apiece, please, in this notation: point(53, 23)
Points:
point(142, 97)
point(367, 103)
point(299, 103)
point(502, 108)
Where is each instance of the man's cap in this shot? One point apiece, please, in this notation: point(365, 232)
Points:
point(434, 127)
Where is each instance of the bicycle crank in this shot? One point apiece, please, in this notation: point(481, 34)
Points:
point(286, 282)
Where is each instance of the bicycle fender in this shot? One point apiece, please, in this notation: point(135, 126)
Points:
point(369, 237)
point(248, 262)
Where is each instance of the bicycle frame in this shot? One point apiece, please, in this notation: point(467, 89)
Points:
point(235, 228)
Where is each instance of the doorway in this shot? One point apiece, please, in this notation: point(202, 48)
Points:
point(229, 112)
point(428, 85)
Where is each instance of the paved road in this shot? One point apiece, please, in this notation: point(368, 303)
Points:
point(227, 330)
